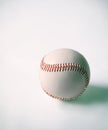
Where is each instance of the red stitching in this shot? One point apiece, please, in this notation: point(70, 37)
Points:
point(64, 99)
point(64, 67)
point(60, 98)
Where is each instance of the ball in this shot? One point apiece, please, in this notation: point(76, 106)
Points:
point(64, 74)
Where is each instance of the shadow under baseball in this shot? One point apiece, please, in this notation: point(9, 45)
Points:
point(93, 94)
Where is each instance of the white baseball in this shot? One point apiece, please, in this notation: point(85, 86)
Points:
point(64, 74)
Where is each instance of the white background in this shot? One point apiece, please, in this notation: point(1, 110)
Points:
point(28, 30)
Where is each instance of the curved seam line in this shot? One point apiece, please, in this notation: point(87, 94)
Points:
point(64, 67)
point(61, 98)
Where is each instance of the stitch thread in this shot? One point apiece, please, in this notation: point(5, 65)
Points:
point(65, 67)
point(60, 98)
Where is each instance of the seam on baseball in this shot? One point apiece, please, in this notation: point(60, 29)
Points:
point(64, 99)
point(65, 67)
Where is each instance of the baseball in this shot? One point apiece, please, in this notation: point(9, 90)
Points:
point(64, 74)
